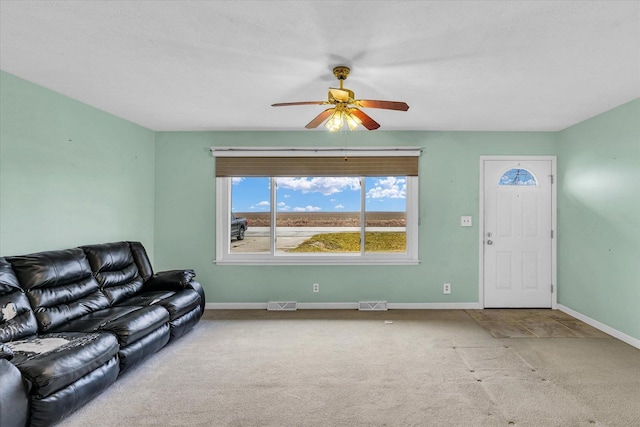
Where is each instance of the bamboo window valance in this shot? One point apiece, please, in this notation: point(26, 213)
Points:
point(337, 163)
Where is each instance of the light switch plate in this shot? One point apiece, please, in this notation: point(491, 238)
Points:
point(465, 221)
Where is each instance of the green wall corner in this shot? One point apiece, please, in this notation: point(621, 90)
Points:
point(599, 218)
point(70, 174)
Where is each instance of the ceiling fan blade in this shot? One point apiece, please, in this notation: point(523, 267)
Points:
point(320, 118)
point(367, 121)
point(387, 105)
point(287, 104)
point(341, 95)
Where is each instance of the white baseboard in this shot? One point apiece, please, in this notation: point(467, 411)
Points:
point(346, 306)
point(235, 306)
point(433, 306)
point(328, 305)
point(604, 328)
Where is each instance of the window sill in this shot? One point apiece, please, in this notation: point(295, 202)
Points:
point(317, 261)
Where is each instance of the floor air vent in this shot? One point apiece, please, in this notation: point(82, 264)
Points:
point(282, 305)
point(372, 306)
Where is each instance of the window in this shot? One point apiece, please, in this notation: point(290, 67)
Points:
point(341, 213)
point(517, 177)
point(317, 215)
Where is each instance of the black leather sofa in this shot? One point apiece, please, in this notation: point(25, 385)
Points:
point(73, 320)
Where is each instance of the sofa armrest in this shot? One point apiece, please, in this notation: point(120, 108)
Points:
point(170, 280)
point(5, 352)
point(174, 280)
point(198, 288)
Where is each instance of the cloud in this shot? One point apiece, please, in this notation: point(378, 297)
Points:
point(260, 205)
point(237, 180)
point(391, 188)
point(323, 185)
point(339, 207)
point(282, 206)
point(307, 209)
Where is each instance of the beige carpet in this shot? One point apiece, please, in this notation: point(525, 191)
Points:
point(349, 368)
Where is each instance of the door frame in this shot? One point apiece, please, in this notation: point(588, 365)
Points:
point(554, 223)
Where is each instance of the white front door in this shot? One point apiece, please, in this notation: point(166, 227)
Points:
point(517, 241)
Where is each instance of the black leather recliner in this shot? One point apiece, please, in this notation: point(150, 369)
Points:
point(66, 297)
point(59, 371)
point(126, 277)
point(73, 320)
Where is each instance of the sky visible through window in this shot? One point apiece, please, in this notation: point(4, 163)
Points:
point(320, 194)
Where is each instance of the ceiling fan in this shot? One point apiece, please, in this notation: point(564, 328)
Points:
point(345, 107)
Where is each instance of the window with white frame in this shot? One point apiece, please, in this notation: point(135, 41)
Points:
point(317, 206)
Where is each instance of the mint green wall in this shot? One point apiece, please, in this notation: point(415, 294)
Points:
point(70, 174)
point(599, 218)
point(185, 217)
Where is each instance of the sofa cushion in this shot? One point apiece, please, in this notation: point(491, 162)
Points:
point(115, 270)
point(53, 361)
point(128, 323)
point(16, 317)
point(136, 325)
point(146, 298)
point(141, 259)
point(176, 303)
point(59, 284)
point(8, 279)
point(182, 302)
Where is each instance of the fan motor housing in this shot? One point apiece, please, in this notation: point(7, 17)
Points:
point(333, 100)
point(341, 72)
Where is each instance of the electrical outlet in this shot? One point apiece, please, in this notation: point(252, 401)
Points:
point(465, 221)
point(316, 287)
point(446, 288)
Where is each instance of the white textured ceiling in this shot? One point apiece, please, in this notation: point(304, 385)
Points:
point(219, 65)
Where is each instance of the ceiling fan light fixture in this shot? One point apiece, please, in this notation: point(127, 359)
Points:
point(336, 121)
point(344, 109)
point(352, 121)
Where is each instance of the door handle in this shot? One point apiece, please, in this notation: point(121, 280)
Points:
point(489, 242)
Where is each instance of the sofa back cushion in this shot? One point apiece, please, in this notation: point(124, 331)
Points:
point(115, 269)
point(142, 260)
point(16, 317)
point(59, 284)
